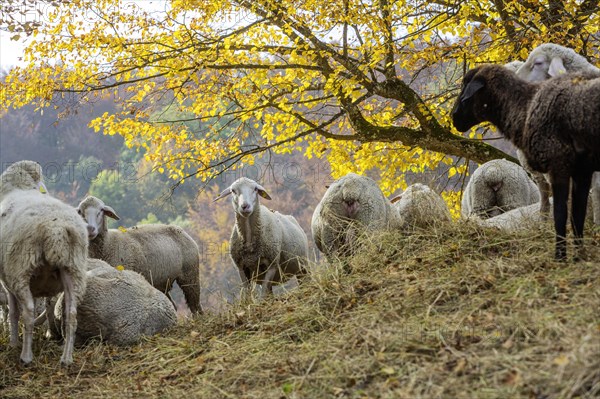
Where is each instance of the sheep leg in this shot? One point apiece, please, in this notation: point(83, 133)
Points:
point(579, 199)
point(267, 286)
point(70, 317)
point(191, 292)
point(28, 314)
point(245, 283)
point(560, 191)
point(545, 191)
point(13, 319)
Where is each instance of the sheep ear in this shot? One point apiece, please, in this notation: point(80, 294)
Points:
point(396, 198)
point(224, 193)
point(262, 192)
point(472, 87)
point(556, 67)
point(108, 211)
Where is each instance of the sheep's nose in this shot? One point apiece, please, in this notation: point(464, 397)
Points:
point(91, 230)
point(351, 207)
point(245, 207)
point(496, 186)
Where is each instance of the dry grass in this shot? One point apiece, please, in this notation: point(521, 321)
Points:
point(459, 312)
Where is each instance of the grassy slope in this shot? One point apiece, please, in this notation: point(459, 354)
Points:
point(456, 313)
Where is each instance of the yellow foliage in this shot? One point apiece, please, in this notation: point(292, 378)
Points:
point(284, 76)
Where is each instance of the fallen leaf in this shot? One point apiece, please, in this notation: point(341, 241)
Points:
point(561, 360)
point(388, 370)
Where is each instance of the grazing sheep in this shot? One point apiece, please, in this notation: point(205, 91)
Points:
point(266, 246)
point(546, 61)
point(161, 253)
point(556, 124)
point(44, 250)
point(419, 206)
point(496, 187)
point(352, 204)
point(119, 307)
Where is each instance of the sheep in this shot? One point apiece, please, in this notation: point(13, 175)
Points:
point(515, 219)
point(550, 60)
point(161, 253)
point(556, 123)
point(351, 205)
point(44, 248)
point(495, 187)
point(421, 207)
point(266, 246)
point(546, 61)
point(3, 308)
point(119, 307)
point(514, 65)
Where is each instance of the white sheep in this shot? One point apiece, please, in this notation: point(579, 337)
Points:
point(3, 308)
point(515, 219)
point(44, 250)
point(550, 60)
point(353, 204)
point(544, 62)
point(495, 187)
point(161, 253)
point(555, 123)
point(266, 246)
point(419, 206)
point(119, 307)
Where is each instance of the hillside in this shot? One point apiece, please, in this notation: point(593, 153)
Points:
point(459, 312)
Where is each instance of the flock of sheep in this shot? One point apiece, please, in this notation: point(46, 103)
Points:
point(114, 283)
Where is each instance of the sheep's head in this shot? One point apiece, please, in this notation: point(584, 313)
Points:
point(477, 101)
point(245, 195)
point(22, 175)
point(93, 210)
point(546, 61)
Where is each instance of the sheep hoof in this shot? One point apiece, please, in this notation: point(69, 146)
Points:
point(66, 362)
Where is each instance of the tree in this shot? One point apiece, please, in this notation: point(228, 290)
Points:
point(365, 84)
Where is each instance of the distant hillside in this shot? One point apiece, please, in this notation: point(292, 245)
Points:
point(459, 312)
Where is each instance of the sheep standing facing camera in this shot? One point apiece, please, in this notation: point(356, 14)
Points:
point(496, 187)
point(161, 253)
point(43, 252)
point(353, 204)
point(266, 246)
point(556, 124)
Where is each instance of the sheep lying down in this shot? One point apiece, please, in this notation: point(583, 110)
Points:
point(119, 307)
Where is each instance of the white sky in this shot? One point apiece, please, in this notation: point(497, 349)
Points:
point(10, 51)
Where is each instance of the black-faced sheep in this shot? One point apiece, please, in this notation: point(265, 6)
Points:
point(555, 123)
point(44, 251)
point(496, 187)
point(266, 246)
point(161, 253)
point(353, 204)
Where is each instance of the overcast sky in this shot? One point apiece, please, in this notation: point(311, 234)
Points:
point(10, 51)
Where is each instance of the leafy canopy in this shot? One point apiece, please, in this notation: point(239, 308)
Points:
point(364, 84)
